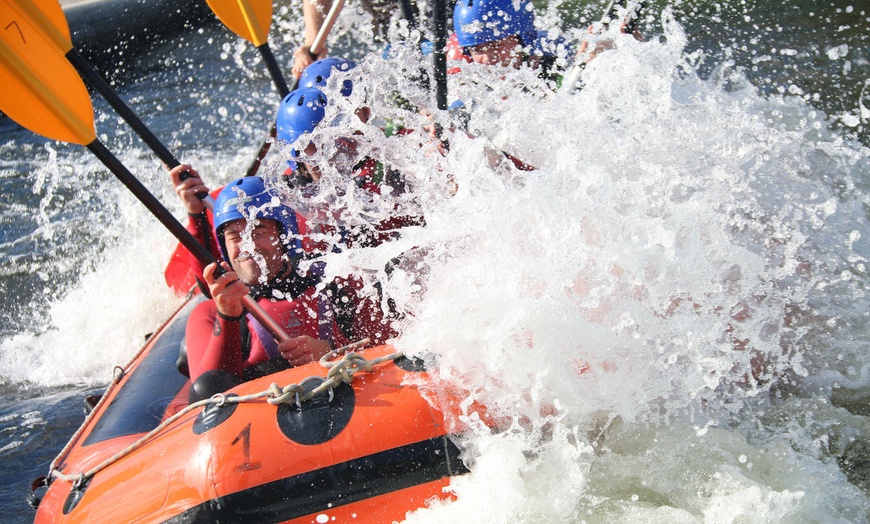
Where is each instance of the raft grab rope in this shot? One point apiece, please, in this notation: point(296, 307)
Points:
point(340, 371)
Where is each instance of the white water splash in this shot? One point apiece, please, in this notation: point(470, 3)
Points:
point(100, 321)
point(648, 316)
point(607, 309)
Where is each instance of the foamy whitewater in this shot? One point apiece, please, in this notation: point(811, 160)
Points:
point(665, 320)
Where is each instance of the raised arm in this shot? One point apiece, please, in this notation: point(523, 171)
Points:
point(313, 12)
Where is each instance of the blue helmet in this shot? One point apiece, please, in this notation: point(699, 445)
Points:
point(317, 73)
point(480, 21)
point(248, 197)
point(299, 113)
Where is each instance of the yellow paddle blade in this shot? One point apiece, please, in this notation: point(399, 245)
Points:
point(45, 16)
point(249, 19)
point(39, 88)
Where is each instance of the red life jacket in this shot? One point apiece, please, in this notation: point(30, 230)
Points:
point(215, 343)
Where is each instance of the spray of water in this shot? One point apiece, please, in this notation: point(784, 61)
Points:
point(639, 329)
point(663, 323)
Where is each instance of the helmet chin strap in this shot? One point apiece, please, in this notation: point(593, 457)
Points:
point(278, 281)
point(285, 267)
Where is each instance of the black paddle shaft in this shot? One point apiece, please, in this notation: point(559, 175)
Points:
point(439, 28)
point(274, 70)
point(154, 206)
point(407, 12)
point(87, 71)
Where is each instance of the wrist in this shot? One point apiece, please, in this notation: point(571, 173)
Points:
point(231, 318)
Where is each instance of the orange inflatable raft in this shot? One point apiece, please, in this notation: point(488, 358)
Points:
point(369, 451)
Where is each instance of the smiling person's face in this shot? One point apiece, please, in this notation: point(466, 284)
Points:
point(256, 256)
point(505, 51)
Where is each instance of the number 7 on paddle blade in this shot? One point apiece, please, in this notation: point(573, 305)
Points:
point(39, 89)
point(46, 16)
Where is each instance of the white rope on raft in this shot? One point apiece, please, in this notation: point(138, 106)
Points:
point(340, 371)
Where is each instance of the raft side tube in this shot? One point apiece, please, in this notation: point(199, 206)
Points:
point(427, 464)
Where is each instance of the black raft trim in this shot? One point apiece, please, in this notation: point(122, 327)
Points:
point(320, 490)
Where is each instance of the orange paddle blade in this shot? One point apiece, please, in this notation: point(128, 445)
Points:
point(249, 19)
point(178, 274)
point(39, 89)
